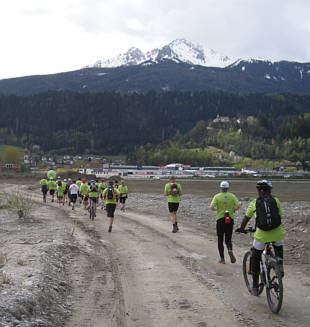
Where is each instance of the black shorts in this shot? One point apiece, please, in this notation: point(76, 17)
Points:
point(173, 206)
point(94, 199)
point(65, 192)
point(52, 192)
point(123, 199)
point(73, 198)
point(85, 198)
point(59, 196)
point(44, 189)
point(110, 209)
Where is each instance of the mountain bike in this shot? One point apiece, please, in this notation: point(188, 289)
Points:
point(91, 210)
point(270, 275)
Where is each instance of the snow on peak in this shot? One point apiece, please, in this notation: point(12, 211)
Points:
point(179, 50)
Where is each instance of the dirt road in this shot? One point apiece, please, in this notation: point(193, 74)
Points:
point(157, 278)
point(143, 275)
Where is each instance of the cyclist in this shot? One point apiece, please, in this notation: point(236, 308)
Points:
point(84, 193)
point(111, 195)
point(123, 190)
point(93, 195)
point(44, 186)
point(173, 191)
point(225, 203)
point(101, 189)
point(73, 190)
point(262, 236)
point(60, 192)
point(52, 188)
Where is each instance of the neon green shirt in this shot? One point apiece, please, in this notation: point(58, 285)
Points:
point(123, 190)
point(51, 185)
point(64, 185)
point(93, 194)
point(173, 198)
point(225, 201)
point(43, 182)
point(84, 189)
point(105, 194)
point(60, 191)
point(262, 236)
point(78, 183)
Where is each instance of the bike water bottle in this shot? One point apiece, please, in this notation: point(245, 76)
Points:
point(227, 218)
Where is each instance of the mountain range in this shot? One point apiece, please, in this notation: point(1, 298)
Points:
point(180, 65)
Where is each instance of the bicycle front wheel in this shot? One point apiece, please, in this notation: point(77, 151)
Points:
point(247, 273)
point(274, 291)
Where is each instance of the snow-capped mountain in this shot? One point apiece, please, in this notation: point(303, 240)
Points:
point(179, 50)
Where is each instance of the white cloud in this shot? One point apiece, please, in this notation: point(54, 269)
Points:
point(58, 35)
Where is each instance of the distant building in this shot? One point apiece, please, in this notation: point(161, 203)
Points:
point(220, 119)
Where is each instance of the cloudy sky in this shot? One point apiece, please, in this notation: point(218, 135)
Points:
point(49, 36)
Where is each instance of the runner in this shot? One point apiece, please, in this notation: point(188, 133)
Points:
point(73, 190)
point(44, 187)
point(84, 193)
point(79, 183)
point(60, 193)
point(123, 190)
point(69, 183)
point(111, 195)
point(173, 191)
point(52, 188)
point(93, 195)
point(64, 186)
point(225, 204)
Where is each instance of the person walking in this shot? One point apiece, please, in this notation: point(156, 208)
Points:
point(173, 191)
point(225, 203)
point(111, 196)
point(52, 188)
point(73, 190)
point(123, 190)
point(44, 187)
point(268, 213)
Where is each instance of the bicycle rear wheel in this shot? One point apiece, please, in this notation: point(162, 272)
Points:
point(275, 290)
point(246, 269)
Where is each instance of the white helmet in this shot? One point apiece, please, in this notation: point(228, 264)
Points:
point(224, 185)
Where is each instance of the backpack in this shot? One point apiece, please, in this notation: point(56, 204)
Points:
point(94, 188)
point(174, 189)
point(267, 213)
point(110, 194)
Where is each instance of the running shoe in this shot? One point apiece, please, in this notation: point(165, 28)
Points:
point(232, 257)
point(222, 261)
point(110, 228)
point(254, 291)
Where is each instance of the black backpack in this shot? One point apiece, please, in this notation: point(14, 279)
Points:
point(110, 195)
point(267, 213)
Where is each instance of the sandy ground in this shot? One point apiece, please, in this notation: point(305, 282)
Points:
point(62, 269)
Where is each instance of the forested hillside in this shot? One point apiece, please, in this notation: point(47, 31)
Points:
point(112, 123)
point(263, 139)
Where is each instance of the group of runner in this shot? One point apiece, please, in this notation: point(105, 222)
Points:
point(99, 192)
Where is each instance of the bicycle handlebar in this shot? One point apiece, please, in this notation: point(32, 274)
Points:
point(245, 231)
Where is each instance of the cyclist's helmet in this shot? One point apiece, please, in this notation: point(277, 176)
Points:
point(264, 185)
point(65, 180)
point(83, 180)
point(224, 185)
point(102, 180)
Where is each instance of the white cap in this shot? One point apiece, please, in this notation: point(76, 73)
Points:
point(224, 185)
